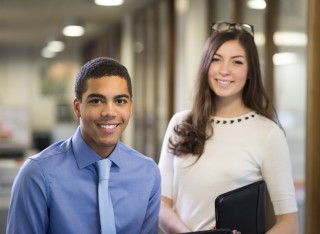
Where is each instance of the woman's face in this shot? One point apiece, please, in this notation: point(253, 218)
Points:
point(228, 71)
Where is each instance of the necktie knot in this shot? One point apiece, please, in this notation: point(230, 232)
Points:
point(103, 167)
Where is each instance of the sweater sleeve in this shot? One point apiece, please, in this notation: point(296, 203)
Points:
point(277, 172)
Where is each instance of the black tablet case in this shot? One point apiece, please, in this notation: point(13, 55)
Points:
point(242, 209)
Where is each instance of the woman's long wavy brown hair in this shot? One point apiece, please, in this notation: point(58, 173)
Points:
point(191, 135)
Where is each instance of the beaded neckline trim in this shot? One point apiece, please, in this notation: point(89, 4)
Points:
point(232, 120)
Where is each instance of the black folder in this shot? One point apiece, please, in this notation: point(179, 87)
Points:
point(242, 209)
point(219, 231)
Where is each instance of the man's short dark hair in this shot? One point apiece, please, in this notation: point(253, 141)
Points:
point(97, 68)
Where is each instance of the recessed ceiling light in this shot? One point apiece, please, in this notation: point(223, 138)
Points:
point(73, 31)
point(108, 2)
point(285, 58)
point(47, 53)
point(257, 4)
point(290, 39)
point(56, 46)
point(259, 39)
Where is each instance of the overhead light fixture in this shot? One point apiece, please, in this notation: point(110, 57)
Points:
point(56, 46)
point(46, 53)
point(259, 39)
point(108, 2)
point(285, 58)
point(257, 4)
point(181, 6)
point(53, 47)
point(73, 29)
point(290, 39)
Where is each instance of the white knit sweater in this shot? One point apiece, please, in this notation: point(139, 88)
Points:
point(242, 150)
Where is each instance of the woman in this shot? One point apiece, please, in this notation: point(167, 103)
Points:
point(231, 137)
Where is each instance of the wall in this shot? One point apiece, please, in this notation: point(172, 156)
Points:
point(191, 33)
point(20, 78)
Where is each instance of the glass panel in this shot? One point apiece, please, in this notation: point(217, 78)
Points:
point(139, 79)
point(290, 80)
point(256, 17)
point(151, 75)
point(222, 10)
point(163, 75)
point(290, 72)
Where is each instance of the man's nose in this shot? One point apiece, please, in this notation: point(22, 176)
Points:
point(109, 109)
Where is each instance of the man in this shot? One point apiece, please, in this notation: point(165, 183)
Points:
point(56, 190)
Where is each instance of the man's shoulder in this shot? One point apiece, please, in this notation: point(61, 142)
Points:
point(136, 159)
point(47, 161)
point(133, 152)
point(57, 148)
point(144, 166)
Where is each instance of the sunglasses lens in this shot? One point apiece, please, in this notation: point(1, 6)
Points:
point(248, 28)
point(221, 26)
point(225, 26)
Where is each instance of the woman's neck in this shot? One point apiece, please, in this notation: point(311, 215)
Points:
point(230, 109)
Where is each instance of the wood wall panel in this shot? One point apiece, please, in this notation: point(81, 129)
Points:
point(312, 205)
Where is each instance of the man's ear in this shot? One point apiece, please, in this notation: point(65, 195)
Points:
point(131, 107)
point(76, 107)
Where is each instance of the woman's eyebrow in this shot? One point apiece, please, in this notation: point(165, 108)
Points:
point(238, 56)
point(234, 56)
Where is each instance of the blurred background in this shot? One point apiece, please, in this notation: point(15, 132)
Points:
point(160, 42)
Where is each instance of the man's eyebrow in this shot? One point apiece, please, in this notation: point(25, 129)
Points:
point(96, 95)
point(122, 96)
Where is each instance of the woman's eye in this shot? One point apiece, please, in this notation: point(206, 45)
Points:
point(215, 59)
point(238, 62)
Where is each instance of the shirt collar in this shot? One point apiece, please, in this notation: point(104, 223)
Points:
point(86, 156)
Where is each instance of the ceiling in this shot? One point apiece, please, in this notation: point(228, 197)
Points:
point(30, 23)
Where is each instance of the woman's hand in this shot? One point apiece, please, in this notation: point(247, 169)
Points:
point(213, 225)
point(214, 228)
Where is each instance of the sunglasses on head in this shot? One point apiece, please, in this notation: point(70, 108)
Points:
point(226, 26)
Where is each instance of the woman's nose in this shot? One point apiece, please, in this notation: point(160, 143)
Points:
point(224, 69)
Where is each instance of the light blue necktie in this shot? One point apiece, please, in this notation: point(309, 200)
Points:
point(107, 222)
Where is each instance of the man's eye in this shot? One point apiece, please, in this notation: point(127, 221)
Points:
point(121, 101)
point(95, 101)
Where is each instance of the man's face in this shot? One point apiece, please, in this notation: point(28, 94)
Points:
point(104, 112)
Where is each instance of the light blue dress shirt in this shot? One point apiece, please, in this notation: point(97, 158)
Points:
point(56, 191)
